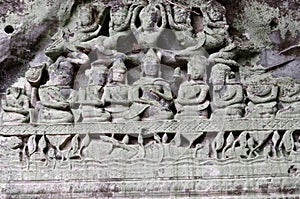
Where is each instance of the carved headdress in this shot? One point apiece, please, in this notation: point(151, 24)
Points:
point(118, 65)
point(151, 58)
point(219, 72)
point(199, 63)
point(94, 73)
point(152, 10)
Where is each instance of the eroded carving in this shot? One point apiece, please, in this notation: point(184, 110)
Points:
point(193, 97)
point(141, 100)
point(289, 100)
point(56, 94)
point(16, 104)
point(117, 93)
point(151, 94)
point(215, 25)
point(228, 96)
point(90, 98)
point(263, 99)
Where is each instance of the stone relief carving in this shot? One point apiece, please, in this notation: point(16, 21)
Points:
point(222, 147)
point(56, 94)
point(289, 99)
point(91, 97)
point(117, 93)
point(151, 94)
point(228, 96)
point(150, 97)
point(157, 89)
point(215, 26)
point(108, 96)
point(16, 104)
point(263, 99)
point(192, 100)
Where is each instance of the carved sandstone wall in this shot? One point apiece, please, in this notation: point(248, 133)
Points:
point(149, 99)
point(267, 24)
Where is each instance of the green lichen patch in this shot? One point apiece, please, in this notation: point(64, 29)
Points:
point(259, 19)
point(255, 22)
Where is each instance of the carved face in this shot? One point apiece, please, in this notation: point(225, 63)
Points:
point(63, 74)
point(215, 15)
point(119, 17)
point(33, 75)
point(219, 74)
point(180, 14)
point(98, 77)
point(151, 69)
point(196, 72)
point(150, 16)
point(85, 16)
point(118, 75)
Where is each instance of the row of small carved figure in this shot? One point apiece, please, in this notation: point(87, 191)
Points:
point(147, 99)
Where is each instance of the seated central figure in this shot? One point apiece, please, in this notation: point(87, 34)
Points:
point(151, 94)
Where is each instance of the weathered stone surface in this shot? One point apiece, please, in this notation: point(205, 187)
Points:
point(140, 99)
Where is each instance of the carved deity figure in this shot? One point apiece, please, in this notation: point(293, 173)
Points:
point(215, 26)
point(120, 39)
point(187, 26)
point(262, 97)
point(118, 32)
point(116, 96)
point(15, 105)
point(151, 94)
point(83, 25)
point(120, 20)
point(289, 98)
point(181, 18)
point(228, 97)
point(190, 41)
point(180, 23)
point(56, 94)
point(87, 21)
point(192, 101)
point(153, 22)
point(90, 98)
